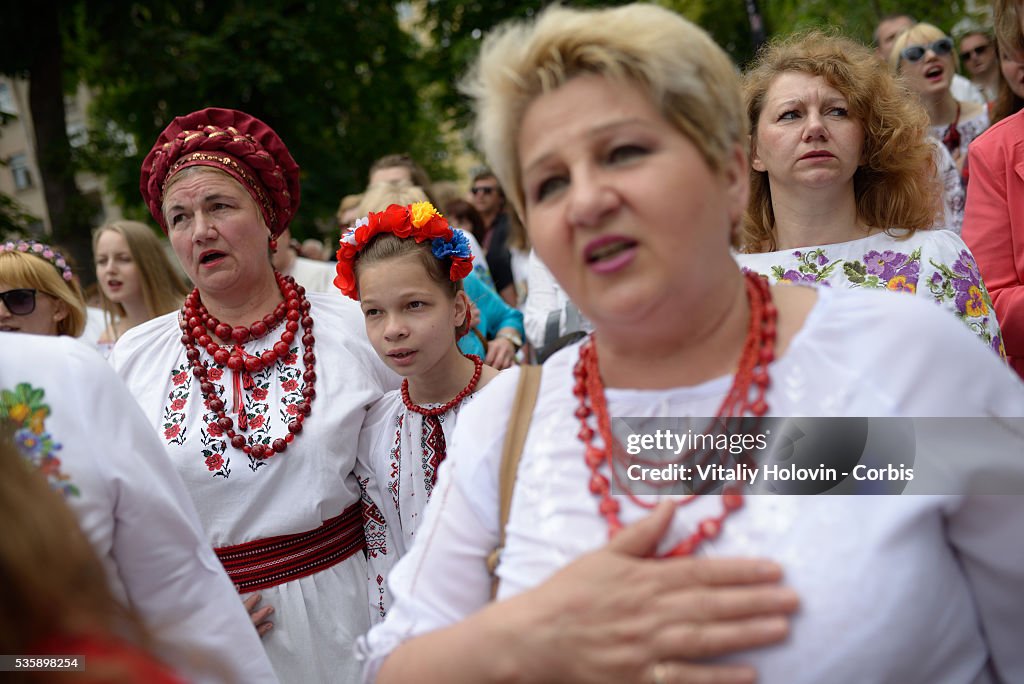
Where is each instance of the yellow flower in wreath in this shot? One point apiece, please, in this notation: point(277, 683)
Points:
point(422, 212)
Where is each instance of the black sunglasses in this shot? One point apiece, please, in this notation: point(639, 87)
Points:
point(976, 52)
point(20, 302)
point(482, 190)
point(914, 53)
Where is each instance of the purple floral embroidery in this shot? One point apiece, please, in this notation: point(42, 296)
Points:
point(887, 264)
point(797, 277)
point(967, 267)
point(812, 268)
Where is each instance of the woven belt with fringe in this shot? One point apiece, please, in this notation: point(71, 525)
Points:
point(268, 562)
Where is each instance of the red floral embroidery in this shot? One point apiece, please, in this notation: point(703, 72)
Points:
point(214, 430)
point(172, 432)
point(292, 410)
point(179, 378)
point(289, 385)
point(259, 394)
point(214, 462)
point(177, 404)
point(214, 373)
point(256, 423)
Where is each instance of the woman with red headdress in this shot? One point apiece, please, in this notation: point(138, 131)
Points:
point(259, 410)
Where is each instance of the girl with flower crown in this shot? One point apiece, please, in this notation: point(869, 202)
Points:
point(405, 265)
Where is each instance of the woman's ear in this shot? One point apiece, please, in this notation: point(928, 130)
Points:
point(461, 312)
point(737, 177)
point(755, 159)
point(60, 311)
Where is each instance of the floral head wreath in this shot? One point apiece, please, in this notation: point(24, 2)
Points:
point(42, 251)
point(419, 221)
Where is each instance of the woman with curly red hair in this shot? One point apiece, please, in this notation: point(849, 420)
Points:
point(842, 182)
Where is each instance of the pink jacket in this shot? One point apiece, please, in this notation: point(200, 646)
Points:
point(994, 225)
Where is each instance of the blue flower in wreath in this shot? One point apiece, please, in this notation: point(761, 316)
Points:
point(458, 246)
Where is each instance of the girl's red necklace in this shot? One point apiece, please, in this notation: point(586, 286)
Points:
point(198, 329)
point(751, 379)
point(444, 408)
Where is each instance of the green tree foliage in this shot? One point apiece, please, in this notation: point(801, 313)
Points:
point(14, 220)
point(338, 80)
point(32, 48)
point(457, 27)
point(858, 19)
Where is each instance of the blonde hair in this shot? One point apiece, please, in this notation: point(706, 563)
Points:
point(163, 290)
point(689, 78)
point(895, 186)
point(379, 196)
point(21, 269)
point(919, 34)
point(347, 202)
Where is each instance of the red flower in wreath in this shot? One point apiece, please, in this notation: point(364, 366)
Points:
point(214, 462)
point(395, 219)
point(177, 404)
point(420, 221)
point(172, 432)
point(460, 268)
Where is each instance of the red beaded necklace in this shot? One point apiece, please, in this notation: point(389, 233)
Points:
point(437, 411)
point(198, 328)
point(758, 352)
point(433, 433)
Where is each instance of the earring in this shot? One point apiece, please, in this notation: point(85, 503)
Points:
point(273, 244)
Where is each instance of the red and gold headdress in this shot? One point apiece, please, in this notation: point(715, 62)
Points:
point(235, 142)
point(419, 221)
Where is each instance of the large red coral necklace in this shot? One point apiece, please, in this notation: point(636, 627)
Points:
point(758, 352)
point(198, 330)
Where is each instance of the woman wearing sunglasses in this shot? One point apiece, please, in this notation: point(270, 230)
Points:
point(923, 55)
point(37, 293)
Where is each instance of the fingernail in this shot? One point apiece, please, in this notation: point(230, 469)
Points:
point(787, 598)
point(772, 627)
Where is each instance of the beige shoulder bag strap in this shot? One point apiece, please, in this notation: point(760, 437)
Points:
point(515, 438)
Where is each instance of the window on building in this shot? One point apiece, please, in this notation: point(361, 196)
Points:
point(6, 100)
point(21, 172)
